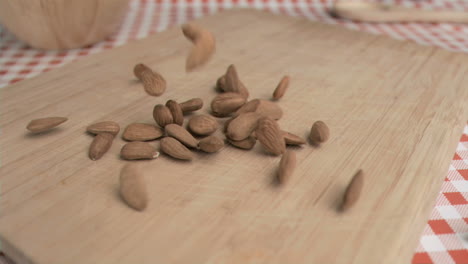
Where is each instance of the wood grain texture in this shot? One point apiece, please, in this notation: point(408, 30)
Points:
point(395, 109)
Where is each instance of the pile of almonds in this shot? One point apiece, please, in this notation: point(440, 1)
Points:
point(249, 121)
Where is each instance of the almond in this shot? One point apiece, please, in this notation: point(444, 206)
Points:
point(286, 166)
point(211, 144)
point(226, 124)
point(353, 191)
point(44, 124)
point(269, 135)
point(281, 88)
point(263, 107)
point(291, 139)
point(221, 84)
point(162, 115)
point(202, 125)
point(242, 126)
point(138, 150)
point(175, 149)
point(319, 133)
point(153, 82)
point(181, 134)
point(203, 48)
point(176, 111)
point(191, 105)
point(104, 127)
point(233, 83)
point(142, 132)
point(247, 143)
point(100, 145)
point(133, 187)
point(226, 103)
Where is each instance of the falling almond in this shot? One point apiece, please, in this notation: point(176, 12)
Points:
point(153, 82)
point(191, 105)
point(281, 88)
point(211, 144)
point(319, 133)
point(269, 135)
point(175, 149)
point(44, 124)
point(133, 187)
point(353, 191)
point(181, 134)
point(287, 166)
point(247, 143)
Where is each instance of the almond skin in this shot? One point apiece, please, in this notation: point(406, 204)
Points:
point(291, 139)
point(175, 149)
point(242, 126)
point(263, 107)
point(233, 83)
point(138, 150)
point(281, 88)
point(226, 103)
point(353, 191)
point(287, 166)
point(100, 145)
point(211, 144)
point(162, 115)
point(133, 187)
point(104, 127)
point(269, 135)
point(203, 48)
point(44, 124)
point(202, 125)
point(142, 132)
point(191, 105)
point(176, 111)
point(221, 84)
point(181, 134)
point(153, 82)
point(319, 133)
point(247, 143)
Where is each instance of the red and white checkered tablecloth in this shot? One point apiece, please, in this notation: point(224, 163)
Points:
point(445, 237)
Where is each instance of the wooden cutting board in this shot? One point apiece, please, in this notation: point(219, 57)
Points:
point(395, 109)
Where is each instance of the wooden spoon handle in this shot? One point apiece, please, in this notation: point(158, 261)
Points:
point(377, 12)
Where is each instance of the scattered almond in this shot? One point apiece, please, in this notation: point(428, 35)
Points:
point(133, 187)
point(263, 107)
point(44, 124)
point(269, 135)
point(221, 84)
point(162, 115)
point(247, 143)
point(202, 125)
point(138, 150)
point(176, 111)
point(100, 145)
point(286, 166)
point(211, 144)
point(204, 45)
point(191, 105)
point(281, 88)
point(291, 139)
point(242, 126)
point(142, 132)
point(233, 83)
point(175, 149)
point(226, 103)
point(153, 82)
point(319, 133)
point(353, 191)
point(181, 134)
point(104, 127)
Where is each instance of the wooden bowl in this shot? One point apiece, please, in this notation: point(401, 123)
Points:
point(62, 24)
